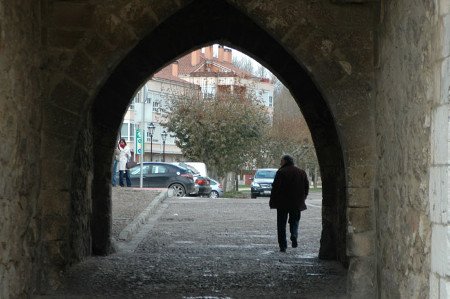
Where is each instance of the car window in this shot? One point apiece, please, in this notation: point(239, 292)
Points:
point(137, 170)
point(265, 174)
point(159, 169)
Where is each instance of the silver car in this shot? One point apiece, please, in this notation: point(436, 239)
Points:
point(216, 189)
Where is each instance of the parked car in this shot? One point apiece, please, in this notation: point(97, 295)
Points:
point(262, 182)
point(163, 175)
point(216, 189)
point(202, 185)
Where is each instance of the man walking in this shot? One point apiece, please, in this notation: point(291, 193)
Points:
point(289, 191)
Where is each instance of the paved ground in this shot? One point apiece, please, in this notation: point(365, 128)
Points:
point(205, 248)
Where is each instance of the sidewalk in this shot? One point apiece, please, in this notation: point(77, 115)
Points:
point(131, 207)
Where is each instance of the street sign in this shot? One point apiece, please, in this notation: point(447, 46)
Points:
point(139, 142)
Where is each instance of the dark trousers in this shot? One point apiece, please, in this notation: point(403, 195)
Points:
point(127, 177)
point(282, 218)
point(114, 173)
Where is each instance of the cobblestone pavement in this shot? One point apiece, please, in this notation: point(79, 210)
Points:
point(205, 248)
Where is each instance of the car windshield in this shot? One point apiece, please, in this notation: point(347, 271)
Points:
point(265, 174)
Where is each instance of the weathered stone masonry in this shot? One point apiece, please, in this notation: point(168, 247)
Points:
point(371, 78)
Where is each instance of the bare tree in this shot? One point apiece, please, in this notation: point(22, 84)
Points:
point(244, 63)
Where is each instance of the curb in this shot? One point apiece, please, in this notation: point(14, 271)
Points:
point(130, 230)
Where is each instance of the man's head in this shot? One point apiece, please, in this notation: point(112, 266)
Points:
point(287, 160)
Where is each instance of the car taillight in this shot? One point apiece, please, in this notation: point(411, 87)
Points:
point(201, 182)
point(220, 186)
point(188, 175)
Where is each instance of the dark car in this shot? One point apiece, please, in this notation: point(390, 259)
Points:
point(262, 182)
point(163, 175)
point(202, 184)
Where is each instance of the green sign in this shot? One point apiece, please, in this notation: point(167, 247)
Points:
point(139, 142)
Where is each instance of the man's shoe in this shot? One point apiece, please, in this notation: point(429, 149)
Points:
point(294, 244)
point(282, 249)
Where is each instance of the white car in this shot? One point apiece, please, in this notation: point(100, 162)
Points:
point(216, 189)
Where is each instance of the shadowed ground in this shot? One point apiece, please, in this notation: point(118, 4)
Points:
point(205, 248)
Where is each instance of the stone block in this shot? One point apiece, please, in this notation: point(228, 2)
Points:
point(444, 288)
point(140, 15)
point(357, 130)
point(69, 96)
point(361, 282)
point(439, 133)
point(438, 194)
point(359, 220)
point(360, 197)
point(444, 7)
point(57, 147)
point(361, 155)
point(83, 70)
point(55, 202)
point(64, 39)
point(360, 176)
point(71, 14)
point(100, 51)
point(55, 175)
point(447, 248)
point(60, 121)
point(360, 244)
point(56, 228)
point(434, 285)
point(445, 36)
point(444, 80)
point(440, 248)
point(114, 31)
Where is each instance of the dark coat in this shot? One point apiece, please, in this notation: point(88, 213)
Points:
point(289, 189)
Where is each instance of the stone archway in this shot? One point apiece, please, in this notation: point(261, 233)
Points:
point(140, 62)
point(382, 73)
point(226, 20)
point(308, 48)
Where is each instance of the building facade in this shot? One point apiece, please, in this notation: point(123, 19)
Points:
point(199, 72)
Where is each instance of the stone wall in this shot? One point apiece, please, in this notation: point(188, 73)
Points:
point(384, 135)
point(22, 86)
point(408, 117)
point(440, 158)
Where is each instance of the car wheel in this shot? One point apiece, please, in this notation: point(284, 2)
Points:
point(253, 196)
point(178, 190)
point(214, 194)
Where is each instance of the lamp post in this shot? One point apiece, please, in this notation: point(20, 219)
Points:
point(163, 137)
point(151, 129)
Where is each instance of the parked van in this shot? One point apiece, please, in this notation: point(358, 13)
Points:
point(200, 166)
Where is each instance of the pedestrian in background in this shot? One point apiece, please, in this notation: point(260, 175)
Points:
point(115, 162)
point(124, 156)
point(289, 191)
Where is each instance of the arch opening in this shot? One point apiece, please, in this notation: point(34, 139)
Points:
point(231, 28)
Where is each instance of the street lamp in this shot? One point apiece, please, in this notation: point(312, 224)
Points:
point(163, 137)
point(151, 129)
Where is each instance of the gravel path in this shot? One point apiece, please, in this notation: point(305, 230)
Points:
point(204, 248)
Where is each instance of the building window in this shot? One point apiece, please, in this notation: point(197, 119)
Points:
point(156, 107)
point(127, 131)
point(131, 107)
point(124, 131)
point(132, 126)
